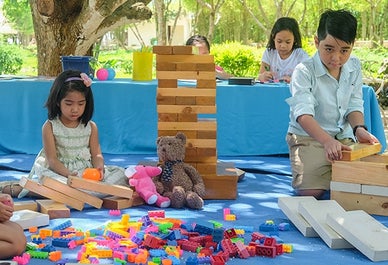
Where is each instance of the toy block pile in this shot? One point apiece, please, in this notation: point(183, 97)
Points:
point(74, 194)
point(338, 228)
point(184, 108)
point(361, 183)
point(152, 239)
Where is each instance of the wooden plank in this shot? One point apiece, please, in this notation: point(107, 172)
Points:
point(185, 49)
point(162, 49)
point(202, 143)
point(289, 206)
point(364, 232)
point(185, 58)
point(360, 151)
point(376, 159)
point(183, 91)
point(53, 209)
point(190, 126)
point(72, 192)
point(100, 187)
point(372, 204)
point(25, 205)
point(50, 193)
point(196, 109)
point(185, 75)
point(356, 172)
point(315, 214)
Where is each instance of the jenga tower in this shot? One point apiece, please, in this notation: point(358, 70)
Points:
point(179, 108)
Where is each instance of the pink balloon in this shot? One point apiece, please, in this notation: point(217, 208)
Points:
point(102, 74)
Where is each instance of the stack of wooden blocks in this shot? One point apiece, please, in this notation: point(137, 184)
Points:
point(58, 196)
point(179, 108)
point(361, 181)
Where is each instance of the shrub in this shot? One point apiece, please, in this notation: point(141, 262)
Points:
point(238, 59)
point(10, 61)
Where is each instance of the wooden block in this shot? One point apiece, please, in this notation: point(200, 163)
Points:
point(28, 218)
point(356, 172)
point(185, 75)
point(186, 67)
point(205, 66)
point(225, 177)
point(187, 117)
point(289, 206)
point(201, 143)
point(205, 100)
point(206, 83)
point(165, 66)
point(50, 193)
point(53, 209)
point(372, 204)
point(66, 189)
point(315, 214)
point(101, 187)
point(185, 100)
point(347, 187)
point(190, 126)
point(360, 151)
point(167, 117)
point(186, 109)
point(159, 49)
point(183, 91)
point(163, 100)
point(25, 205)
point(187, 49)
point(168, 83)
point(364, 232)
point(116, 203)
point(185, 58)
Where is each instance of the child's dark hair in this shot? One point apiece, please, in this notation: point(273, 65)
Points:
point(285, 23)
point(340, 24)
point(61, 87)
point(200, 39)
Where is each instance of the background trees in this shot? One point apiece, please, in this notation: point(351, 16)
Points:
point(74, 27)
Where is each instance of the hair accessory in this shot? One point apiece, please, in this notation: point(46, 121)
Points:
point(83, 77)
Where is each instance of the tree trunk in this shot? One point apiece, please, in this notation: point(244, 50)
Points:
point(71, 27)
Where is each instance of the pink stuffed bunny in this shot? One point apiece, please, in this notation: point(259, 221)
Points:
point(140, 177)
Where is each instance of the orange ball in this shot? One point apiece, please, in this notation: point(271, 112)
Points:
point(92, 174)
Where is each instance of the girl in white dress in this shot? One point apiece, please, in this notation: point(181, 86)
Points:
point(284, 51)
point(70, 137)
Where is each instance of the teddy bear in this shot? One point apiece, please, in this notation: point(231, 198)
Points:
point(179, 181)
point(140, 177)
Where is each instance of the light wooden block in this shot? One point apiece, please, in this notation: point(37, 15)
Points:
point(347, 187)
point(160, 58)
point(25, 205)
point(206, 83)
point(189, 126)
point(100, 187)
point(315, 214)
point(28, 218)
point(195, 109)
point(54, 209)
point(160, 49)
point(372, 204)
point(72, 192)
point(290, 207)
point(364, 232)
point(185, 49)
point(50, 193)
point(167, 83)
point(183, 91)
point(225, 177)
point(185, 75)
point(360, 151)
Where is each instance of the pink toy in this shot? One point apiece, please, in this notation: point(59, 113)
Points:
point(140, 177)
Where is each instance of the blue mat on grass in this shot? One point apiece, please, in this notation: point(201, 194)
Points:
point(267, 178)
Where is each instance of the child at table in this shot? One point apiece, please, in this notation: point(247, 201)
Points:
point(70, 137)
point(12, 239)
point(284, 51)
point(204, 48)
point(326, 106)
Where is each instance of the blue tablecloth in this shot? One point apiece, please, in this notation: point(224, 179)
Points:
point(251, 120)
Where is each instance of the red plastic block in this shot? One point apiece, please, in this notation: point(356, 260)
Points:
point(267, 251)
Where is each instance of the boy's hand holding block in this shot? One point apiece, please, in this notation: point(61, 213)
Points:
point(360, 151)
